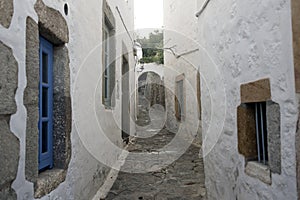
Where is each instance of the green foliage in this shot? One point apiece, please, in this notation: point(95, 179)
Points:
point(153, 48)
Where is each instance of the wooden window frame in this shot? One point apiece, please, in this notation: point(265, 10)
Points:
point(46, 150)
point(108, 56)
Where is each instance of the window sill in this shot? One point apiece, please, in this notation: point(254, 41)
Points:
point(259, 171)
point(47, 181)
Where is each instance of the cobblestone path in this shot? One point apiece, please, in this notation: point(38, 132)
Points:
point(181, 180)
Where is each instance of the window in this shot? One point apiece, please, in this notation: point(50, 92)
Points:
point(259, 136)
point(179, 98)
point(106, 65)
point(45, 105)
point(259, 145)
point(108, 76)
point(108, 56)
point(49, 114)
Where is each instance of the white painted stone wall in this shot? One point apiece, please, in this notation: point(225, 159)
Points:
point(180, 34)
point(150, 67)
point(240, 42)
point(85, 28)
point(249, 40)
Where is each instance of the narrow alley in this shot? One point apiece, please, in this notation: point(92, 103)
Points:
point(182, 180)
point(150, 100)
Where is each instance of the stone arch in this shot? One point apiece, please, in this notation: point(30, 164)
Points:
point(151, 86)
point(153, 67)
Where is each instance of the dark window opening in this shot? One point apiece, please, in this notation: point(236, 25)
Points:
point(108, 64)
point(179, 101)
point(44, 137)
point(261, 132)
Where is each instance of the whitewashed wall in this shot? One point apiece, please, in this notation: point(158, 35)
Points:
point(239, 42)
point(85, 28)
point(247, 41)
point(180, 33)
point(150, 67)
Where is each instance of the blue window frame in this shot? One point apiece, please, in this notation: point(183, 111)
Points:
point(46, 105)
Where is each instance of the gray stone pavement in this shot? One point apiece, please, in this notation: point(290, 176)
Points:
point(182, 179)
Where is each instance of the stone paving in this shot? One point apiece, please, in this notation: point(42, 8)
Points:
point(181, 180)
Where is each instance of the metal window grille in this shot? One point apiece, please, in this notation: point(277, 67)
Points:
point(261, 132)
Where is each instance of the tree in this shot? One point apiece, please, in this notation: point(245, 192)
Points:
point(153, 48)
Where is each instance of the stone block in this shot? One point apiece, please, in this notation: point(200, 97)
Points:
point(52, 24)
point(8, 193)
point(32, 55)
point(9, 154)
point(31, 96)
point(260, 171)
point(61, 130)
point(48, 181)
point(61, 72)
point(31, 162)
point(6, 12)
point(8, 80)
point(258, 91)
point(246, 131)
point(274, 139)
point(296, 40)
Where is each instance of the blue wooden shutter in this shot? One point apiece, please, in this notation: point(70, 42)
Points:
point(46, 105)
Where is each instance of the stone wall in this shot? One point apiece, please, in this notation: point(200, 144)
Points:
point(154, 89)
point(78, 173)
point(238, 42)
point(9, 143)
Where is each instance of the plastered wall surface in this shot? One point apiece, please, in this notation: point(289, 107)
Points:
point(240, 42)
point(85, 173)
point(179, 35)
point(249, 41)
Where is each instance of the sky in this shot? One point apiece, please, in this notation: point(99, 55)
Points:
point(148, 14)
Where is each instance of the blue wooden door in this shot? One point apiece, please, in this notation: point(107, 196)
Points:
point(46, 105)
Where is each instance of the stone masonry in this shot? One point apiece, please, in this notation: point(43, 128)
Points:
point(9, 143)
point(6, 12)
point(183, 179)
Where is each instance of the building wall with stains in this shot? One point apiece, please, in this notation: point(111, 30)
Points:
point(247, 42)
point(241, 45)
point(92, 140)
point(181, 51)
